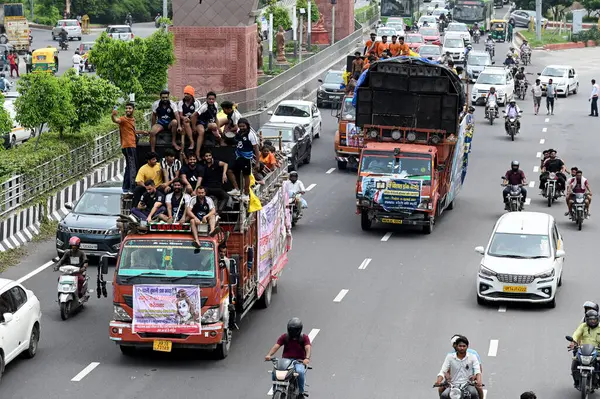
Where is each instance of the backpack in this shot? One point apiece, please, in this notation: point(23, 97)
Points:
point(287, 337)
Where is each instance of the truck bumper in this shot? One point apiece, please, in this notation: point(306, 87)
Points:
point(208, 339)
point(417, 218)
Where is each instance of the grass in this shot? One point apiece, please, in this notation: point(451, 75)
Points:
point(13, 256)
point(548, 37)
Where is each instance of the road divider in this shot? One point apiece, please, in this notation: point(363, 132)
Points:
point(532, 184)
point(340, 296)
point(538, 154)
point(547, 120)
point(85, 371)
point(364, 264)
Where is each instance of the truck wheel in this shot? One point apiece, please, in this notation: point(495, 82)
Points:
point(365, 222)
point(341, 165)
point(222, 349)
point(265, 300)
point(307, 159)
point(428, 228)
point(127, 350)
point(450, 206)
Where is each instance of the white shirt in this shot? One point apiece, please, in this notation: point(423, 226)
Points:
point(186, 199)
point(209, 201)
point(235, 117)
point(77, 59)
point(594, 91)
point(513, 111)
point(537, 90)
point(171, 104)
point(492, 95)
point(171, 169)
point(460, 369)
point(296, 187)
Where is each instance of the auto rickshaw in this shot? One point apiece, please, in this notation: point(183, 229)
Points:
point(45, 60)
point(498, 29)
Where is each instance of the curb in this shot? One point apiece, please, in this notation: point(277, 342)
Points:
point(518, 39)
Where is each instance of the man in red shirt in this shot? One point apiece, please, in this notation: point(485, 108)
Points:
point(295, 346)
point(578, 185)
point(13, 59)
point(514, 176)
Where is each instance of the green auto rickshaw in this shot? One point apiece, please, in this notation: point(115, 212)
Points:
point(498, 29)
point(45, 60)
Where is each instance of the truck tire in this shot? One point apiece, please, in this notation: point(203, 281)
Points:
point(222, 349)
point(450, 206)
point(365, 222)
point(127, 350)
point(265, 300)
point(428, 228)
point(3, 39)
point(342, 165)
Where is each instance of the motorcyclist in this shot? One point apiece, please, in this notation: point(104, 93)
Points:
point(514, 176)
point(77, 62)
point(295, 346)
point(63, 36)
point(461, 366)
point(514, 53)
point(525, 46)
point(5, 84)
point(492, 94)
point(587, 306)
point(587, 333)
point(520, 76)
point(129, 19)
point(296, 186)
point(578, 185)
point(476, 31)
point(509, 61)
point(554, 165)
point(75, 257)
point(545, 156)
point(512, 111)
point(467, 51)
point(471, 351)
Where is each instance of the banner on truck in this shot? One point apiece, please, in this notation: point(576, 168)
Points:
point(391, 193)
point(460, 160)
point(173, 309)
point(273, 221)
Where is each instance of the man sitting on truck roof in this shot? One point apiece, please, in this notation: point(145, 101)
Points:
point(201, 210)
point(191, 174)
point(177, 203)
point(215, 175)
point(165, 118)
point(370, 44)
point(150, 171)
point(154, 200)
point(382, 46)
point(246, 149)
point(357, 65)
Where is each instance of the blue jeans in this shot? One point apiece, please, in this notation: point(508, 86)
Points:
point(301, 370)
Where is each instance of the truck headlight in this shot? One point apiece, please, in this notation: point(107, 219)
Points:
point(486, 272)
point(425, 204)
point(211, 315)
point(547, 274)
point(119, 314)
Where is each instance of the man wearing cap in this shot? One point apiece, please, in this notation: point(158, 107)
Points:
point(187, 107)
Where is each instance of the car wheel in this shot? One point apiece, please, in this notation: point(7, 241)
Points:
point(34, 339)
point(2, 365)
point(318, 135)
point(567, 92)
point(576, 88)
point(307, 158)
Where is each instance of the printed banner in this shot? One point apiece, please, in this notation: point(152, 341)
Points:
point(391, 193)
point(460, 160)
point(173, 309)
point(272, 237)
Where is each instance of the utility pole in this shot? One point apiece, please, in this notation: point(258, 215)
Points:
point(270, 42)
point(309, 27)
point(165, 9)
point(538, 19)
point(302, 11)
point(31, 10)
point(333, 2)
point(295, 31)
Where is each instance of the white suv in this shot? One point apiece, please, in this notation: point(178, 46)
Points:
point(120, 32)
point(498, 77)
point(456, 47)
point(71, 26)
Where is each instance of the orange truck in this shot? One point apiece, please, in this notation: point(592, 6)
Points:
point(169, 293)
point(347, 142)
point(413, 161)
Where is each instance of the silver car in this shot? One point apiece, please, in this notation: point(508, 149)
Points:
point(71, 26)
point(522, 18)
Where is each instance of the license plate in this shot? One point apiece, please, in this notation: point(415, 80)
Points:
point(162, 346)
point(484, 95)
point(514, 288)
point(392, 221)
point(88, 246)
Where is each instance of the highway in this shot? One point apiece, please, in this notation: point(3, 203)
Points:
point(380, 306)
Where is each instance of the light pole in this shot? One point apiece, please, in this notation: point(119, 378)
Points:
point(295, 31)
point(270, 42)
point(165, 8)
point(302, 11)
point(31, 10)
point(538, 19)
point(309, 27)
point(333, 3)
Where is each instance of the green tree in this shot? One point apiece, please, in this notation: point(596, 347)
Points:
point(314, 10)
point(281, 17)
point(92, 97)
point(590, 6)
point(159, 55)
point(6, 122)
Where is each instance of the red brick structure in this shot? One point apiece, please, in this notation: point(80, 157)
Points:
point(344, 17)
point(215, 46)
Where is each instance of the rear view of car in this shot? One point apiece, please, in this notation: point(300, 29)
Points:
point(120, 32)
point(71, 26)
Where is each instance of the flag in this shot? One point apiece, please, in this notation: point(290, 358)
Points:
point(255, 204)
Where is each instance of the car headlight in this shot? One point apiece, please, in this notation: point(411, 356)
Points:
point(306, 125)
point(486, 272)
point(62, 228)
point(586, 360)
point(212, 315)
point(112, 232)
point(119, 314)
point(547, 274)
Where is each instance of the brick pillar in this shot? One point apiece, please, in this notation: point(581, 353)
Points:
point(344, 17)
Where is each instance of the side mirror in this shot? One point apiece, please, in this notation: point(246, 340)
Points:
point(269, 112)
point(320, 81)
point(560, 253)
point(104, 265)
point(480, 250)
point(7, 318)
point(69, 206)
point(539, 74)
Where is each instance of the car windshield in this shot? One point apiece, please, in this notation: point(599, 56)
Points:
point(396, 8)
point(349, 112)
point(430, 50)
point(429, 19)
point(101, 204)
point(491, 79)
point(454, 43)
point(398, 26)
point(386, 32)
point(272, 131)
point(120, 29)
point(556, 72)
point(86, 47)
point(406, 167)
point(458, 28)
point(300, 111)
point(439, 11)
point(479, 60)
point(334, 78)
point(429, 32)
point(414, 39)
point(520, 246)
point(469, 12)
point(167, 258)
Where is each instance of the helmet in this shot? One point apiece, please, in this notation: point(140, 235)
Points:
point(513, 101)
point(470, 47)
point(471, 109)
point(293, 173)
point(294, 327)
point(74, 241)
point(589, 305)
point(514, 163)
point(591, 318)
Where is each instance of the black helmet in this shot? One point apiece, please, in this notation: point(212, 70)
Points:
point(294, 327)
point(471, 109)
point(293, 173)
point(591, 318)
point(589, 305)
point(514, 163)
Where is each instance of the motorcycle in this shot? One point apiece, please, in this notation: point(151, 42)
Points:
point(578, 212)
point(551, 191)
point(30, 38)
point(526, 57)
point(491, 110)
point(476, 36)
point(285, 381)
point(512, 130)
point(521, 89)
point(68, 290)
point(295, 211)
point(128, 22)
point(63, 44)
point(514, 198)
point(491, 49)
point(587, 359)
point(458, 391)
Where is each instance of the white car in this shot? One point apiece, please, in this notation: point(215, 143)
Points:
point(398, 26)
point(439, 11)
point(498, 77)
point(20, 315)
point(120, 32)
point(430, 19)
point(72, 27)
point(18, 134)
point(523, 261)
point(564, 77)
point(299, 112)
point(456, 47)
point(385, 31)
point(460, 29)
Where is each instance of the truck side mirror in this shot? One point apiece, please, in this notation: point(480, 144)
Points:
point(104, 265)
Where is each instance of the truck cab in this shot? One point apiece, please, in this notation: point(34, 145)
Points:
point(347, 141)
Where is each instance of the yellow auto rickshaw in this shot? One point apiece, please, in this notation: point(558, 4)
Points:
point(45, 60)
point(498, 29)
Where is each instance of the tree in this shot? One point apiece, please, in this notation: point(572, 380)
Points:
point(314, 9)
point(159, 55)
point(6, 122)
point(590, 6)
point(43, 99)
point(92, 97)
point(281, 17)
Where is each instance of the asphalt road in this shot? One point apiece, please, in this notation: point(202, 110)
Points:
point(380, 331)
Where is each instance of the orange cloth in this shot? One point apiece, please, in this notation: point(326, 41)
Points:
point(395, 49)
point(370, 45)
point(269, 160)
point(188, 90)
point(127, 131)
point(381, 47)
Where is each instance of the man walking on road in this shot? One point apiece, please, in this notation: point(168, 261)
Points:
point(536, 90)
point(550, 96)
point(594, 98)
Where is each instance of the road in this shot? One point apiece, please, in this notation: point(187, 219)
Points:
point(380, 331)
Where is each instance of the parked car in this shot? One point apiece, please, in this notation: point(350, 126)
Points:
point(331, 91)
point(430, 52)
point(564, 77)
point(522, 18)
point(296, 141)
point(301, 112)
point(120, 32)
point(414, 41)
point(72, 27)
point(18, 134)
point(20, 315)
point(494, 76)
point(523, 260)
point(93, 218)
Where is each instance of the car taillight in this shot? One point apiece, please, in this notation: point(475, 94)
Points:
point(132, 35)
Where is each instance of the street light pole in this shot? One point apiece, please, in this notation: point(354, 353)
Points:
point(333, 2)
point(538, 19)
point(31, 10)
point(309, 28)
point(270, 42)
point(165, 8)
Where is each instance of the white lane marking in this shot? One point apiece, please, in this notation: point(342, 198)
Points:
point(542, 141)
point(536, 169)
point(85, 371)
point(270, 393)
point(330, 171)
point(547, 120)
point(531, 184)
point(502, 309)
point(364, 264)
point(484, 393)
point(493, 348)
point(538, 154)
point(36, 271)
point(527, 201)
point(340, 296)
point(386, 236)
point(544, 130)
point(311, 187)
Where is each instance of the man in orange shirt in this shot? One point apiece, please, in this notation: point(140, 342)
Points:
point(395, 46)
point(382, 46)
point(370, 44)
point(403, 49)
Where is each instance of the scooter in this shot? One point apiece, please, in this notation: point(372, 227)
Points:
point(68, 290)
point(285, 379)
point(295, 211)
point(514, 198)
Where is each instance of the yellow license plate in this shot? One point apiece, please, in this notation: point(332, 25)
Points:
point(393, 221)
point(484, 95)
point(514, 288)
point(162, 346)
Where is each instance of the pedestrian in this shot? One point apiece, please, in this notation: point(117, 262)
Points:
point(28, 62)
point(528, 395)
point(550, 97)
point(594, 98)
point(509, 31)
point(13, 59)
point(536, 90)
point(5, 61)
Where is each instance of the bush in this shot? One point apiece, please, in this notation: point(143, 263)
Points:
point(585, 35)
point(365, 14)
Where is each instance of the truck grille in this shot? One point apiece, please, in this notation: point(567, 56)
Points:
point(515, 278)
point(129, 300)
point(89, 231)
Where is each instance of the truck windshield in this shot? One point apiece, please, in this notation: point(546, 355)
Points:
point(404, 167)
point(167, 258)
